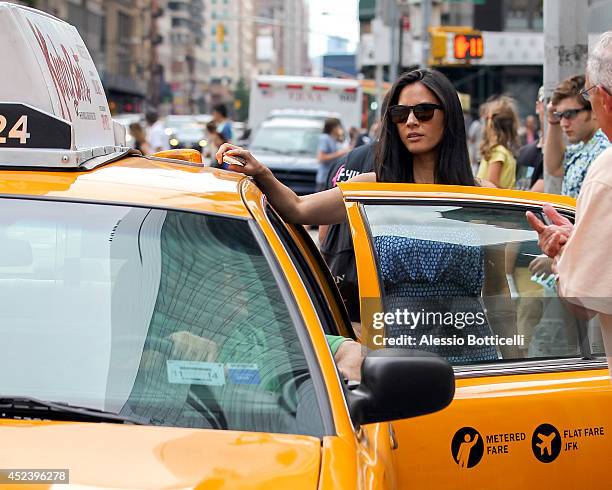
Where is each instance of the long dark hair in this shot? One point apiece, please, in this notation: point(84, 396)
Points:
point(393, 161)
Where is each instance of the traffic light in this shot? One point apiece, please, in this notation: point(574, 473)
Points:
point(438, 44)
point(455, 45)
point(468, 46)
point(220, 33)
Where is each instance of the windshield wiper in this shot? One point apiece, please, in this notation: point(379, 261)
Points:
point(21, 407)
point(265, 148)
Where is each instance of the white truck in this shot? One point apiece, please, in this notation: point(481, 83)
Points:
point(333, 95)
point(286, 115)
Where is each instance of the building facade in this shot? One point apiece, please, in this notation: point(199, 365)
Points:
point(182, 65)
point(282, 33)
point(512, 32)
point(114, 33)
point(230, 47)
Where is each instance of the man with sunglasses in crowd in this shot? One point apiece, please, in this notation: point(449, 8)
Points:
point(581, 252)
point(570, 113)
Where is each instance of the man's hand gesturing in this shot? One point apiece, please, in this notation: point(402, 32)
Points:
point(552, 237)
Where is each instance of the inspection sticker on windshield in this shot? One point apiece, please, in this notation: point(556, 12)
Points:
point(243, 374)
point(196, 373)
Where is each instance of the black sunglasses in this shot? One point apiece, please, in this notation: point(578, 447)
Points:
point(569, 114)
point(585, 92)
point(587, 96)
point(423, 112)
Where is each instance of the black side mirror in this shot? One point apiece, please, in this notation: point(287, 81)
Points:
point(401, 383)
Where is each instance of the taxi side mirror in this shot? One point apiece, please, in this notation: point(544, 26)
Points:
point(401, 383)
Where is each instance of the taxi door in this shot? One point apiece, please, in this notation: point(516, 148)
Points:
point(533, 394)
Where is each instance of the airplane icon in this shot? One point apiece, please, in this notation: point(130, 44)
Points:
point(545, 443)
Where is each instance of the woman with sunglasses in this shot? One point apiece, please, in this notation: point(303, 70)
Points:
point(423, 141)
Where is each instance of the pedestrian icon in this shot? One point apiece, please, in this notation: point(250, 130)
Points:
point(546, 443)
point(467, 447)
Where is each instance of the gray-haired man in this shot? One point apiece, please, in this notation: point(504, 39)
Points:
point(581, 252)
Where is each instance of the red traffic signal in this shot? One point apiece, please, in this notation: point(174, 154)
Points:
point(468, 46)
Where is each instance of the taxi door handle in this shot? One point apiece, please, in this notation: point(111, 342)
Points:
point(392, 438)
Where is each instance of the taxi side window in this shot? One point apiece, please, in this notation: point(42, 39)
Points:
point(471, 284)
point(316, 276)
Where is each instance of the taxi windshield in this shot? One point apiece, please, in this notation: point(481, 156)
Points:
point(192, 129)
point(166, 317)
point(299, 141)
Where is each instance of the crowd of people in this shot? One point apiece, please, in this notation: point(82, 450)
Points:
point(422, 139)
point(152, 138)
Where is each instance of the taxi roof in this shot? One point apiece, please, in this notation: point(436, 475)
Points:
point(138, 181)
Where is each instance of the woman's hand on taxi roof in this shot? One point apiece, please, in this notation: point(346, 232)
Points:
point(252, 166)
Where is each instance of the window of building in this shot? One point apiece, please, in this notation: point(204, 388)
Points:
point(524, 15)
point(179, 22)
point(125, 27)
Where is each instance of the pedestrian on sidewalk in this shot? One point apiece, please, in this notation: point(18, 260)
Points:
point(499, 143)
point(570, 114)
point(580, 252)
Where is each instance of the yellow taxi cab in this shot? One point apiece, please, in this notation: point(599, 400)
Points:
point(535, 414)
point(164, 328)
point(161, 326)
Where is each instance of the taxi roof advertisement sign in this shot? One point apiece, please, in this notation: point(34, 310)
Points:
point(50, 69)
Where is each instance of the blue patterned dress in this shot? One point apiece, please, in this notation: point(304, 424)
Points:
point(444, 277)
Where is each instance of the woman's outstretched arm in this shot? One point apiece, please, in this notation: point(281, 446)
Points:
point(321, 208)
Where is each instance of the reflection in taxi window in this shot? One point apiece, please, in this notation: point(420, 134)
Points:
point(470, 284)
point(172, 318)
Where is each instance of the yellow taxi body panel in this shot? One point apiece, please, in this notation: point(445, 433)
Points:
point(139, 457)
point(255, 202)
point(356, 190)
point(136, 181)
point(506, 412)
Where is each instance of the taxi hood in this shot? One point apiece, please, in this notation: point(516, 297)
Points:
point(51, 95)
point(101, 455)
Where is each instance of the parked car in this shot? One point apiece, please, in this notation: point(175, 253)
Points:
point(187, 131)
point(288, 145)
